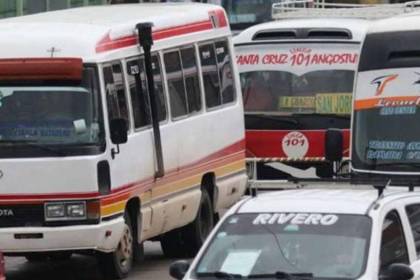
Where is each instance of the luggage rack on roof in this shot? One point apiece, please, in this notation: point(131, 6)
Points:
point(288, 9)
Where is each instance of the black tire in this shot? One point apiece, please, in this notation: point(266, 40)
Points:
point(52, 256)
point(186, 241)
point(117, 265)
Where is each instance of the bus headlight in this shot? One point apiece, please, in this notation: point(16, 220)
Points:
point(76, 210)
point(54, 211)
point(62, 211)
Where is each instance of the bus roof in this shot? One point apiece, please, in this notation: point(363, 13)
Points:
point(406, 22)
point(357, 27)
point(94, 32)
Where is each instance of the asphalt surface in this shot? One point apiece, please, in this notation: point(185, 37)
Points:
point(154, 267)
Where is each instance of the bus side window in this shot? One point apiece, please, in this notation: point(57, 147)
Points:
point(157, 78)
point(190, 70)
point(225, 72)
point(210, 75)
point(138, 92)
point(115, 92)
point(176, 87)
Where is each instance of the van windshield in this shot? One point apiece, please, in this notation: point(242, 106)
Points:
point(51, 114)
point(323, 92)
point(323, 246)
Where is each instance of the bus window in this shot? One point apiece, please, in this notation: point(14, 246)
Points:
point(210, 76)
point(138, 93)
point(115, 93)
point(157, 77)
point(225, 72)
point(189, 66)
point(176, 86)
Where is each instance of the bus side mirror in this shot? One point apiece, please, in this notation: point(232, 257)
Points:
point(398, 271)
point(118, 129)
point(333, 145)
point(178, 269)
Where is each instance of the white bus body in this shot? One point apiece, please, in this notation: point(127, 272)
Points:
point(297, 81)
point(385, 142)
point(88, 186)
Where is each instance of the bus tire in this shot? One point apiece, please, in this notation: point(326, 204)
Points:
point(186, 241)
point(117, 265)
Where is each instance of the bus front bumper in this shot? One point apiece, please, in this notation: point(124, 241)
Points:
point(102, 237)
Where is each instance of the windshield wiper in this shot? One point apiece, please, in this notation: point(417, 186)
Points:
point(220, 275)
point(267, 116)
point(284, 275)
point(34, 144)
point(336, 116)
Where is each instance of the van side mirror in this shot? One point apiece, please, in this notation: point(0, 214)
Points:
point(178, 269)
point(118, 129)
point(334, 145)
point(398, 271)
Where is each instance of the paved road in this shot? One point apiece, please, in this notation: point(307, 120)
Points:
point(155, 267)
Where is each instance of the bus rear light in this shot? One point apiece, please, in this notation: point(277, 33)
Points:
point(44, 69)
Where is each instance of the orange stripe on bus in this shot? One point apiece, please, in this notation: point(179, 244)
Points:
point(376, 102)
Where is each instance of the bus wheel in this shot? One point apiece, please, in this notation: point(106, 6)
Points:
point(186, 241)
point(119, 263)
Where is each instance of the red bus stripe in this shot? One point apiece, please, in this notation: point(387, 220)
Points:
point(107, 44)
point(229, 154)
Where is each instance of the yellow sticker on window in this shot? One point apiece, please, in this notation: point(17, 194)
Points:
point(334, 103)
point(297, 102)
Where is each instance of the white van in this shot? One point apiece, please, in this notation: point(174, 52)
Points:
point(105, 144)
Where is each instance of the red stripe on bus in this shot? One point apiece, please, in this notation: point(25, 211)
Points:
point(230, 153)
point(107, 44)
point(268, 143)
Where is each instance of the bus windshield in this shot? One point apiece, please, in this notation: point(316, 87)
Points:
point(310, 78)
point(386, 121)
point(51, 114)
point(323, 92)
point(248, 12)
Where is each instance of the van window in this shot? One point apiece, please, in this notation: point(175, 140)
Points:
point(210, 75)
point(189, 66)
point(115, 92)
point(393, 245)
point(176, 87)
point(138, 92)
point(413, 213)
point(225, 72)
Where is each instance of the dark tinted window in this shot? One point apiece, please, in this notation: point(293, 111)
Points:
point(210, 75)
point(115, 92)
point(225, 72)
point(176, 86)
point(157, 77)
point(413, 213)
point(138, 92)
point(393, 245)
point(189, 65)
